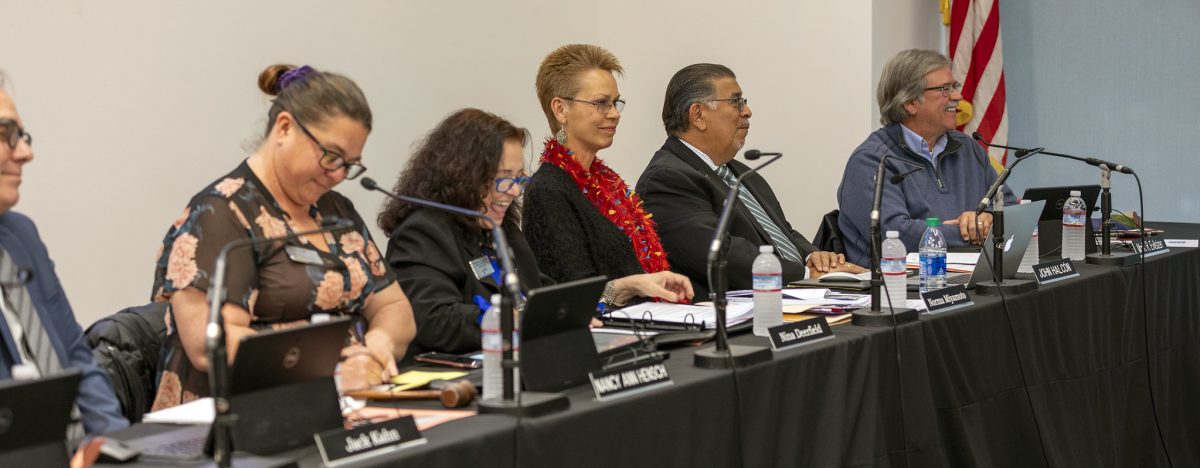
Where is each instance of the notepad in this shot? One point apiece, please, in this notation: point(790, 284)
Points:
point(417, 379)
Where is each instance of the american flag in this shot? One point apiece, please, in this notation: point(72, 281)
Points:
point(979, 65)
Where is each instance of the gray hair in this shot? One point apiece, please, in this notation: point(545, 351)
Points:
point(3, 81)
point(693, 84)
point(903, 81)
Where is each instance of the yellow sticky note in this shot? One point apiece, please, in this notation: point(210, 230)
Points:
point(417, 379)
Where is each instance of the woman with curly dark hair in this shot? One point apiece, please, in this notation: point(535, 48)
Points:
point(472, 159)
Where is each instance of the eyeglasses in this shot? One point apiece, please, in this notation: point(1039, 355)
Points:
point(602, 106)
point(13, 133)
point(946, 89)
point(738, 102)
point(331, 161)
point(504, 184)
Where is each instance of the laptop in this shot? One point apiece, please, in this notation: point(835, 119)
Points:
point(1050, 221)
point(295, 366)
point(33, 419)
point(557, 347)
point(1018, 231)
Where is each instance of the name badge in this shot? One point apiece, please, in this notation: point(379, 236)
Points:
point(1150, 247)
point(629, 380)
point(304, 255)
point(482, 267)
point(342, 446)
point(790, 335)
point(1054, 270)
point(945, 299)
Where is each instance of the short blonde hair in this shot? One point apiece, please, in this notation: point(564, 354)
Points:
point(558, 76)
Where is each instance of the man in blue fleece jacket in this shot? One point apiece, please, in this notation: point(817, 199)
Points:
point(918, 99)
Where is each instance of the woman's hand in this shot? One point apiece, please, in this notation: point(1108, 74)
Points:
point(361, 368)
point(665, 285)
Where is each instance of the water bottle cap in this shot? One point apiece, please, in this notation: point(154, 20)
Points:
point(892, 234)
point(766, 249)
point(931, 222)
point(1076, 193)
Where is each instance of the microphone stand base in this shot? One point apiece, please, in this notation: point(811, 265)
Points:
point(532, 404)
point(1114, 259)
point(1009, 286)
point(866, 317)
point(738, 355)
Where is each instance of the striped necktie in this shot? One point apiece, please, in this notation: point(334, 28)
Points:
point(37, 341)
point(783, 245)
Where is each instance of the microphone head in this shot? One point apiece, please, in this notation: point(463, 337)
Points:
point(753, 154)
point(976, 135)
point(369, 183)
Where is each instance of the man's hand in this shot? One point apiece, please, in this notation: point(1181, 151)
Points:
point(825, 262)
point(966, 223)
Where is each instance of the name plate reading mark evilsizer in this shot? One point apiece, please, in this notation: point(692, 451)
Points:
point(795, 334)
point(341, 446)
point(1054, 270)
point(1150, 247)
point(629, 380)
point(947, 298)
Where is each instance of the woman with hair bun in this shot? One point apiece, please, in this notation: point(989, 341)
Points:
point(316, 128)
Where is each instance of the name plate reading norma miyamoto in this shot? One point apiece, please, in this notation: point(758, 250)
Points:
point(1054, 270)
point(341, 446)
point(948, 298)
point(629, 380)
point(797, 333)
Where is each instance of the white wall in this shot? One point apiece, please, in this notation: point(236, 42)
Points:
point(137, 104)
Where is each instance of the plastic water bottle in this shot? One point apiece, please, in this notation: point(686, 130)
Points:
point(493, 352)
point(1031, 253)
point(1074, 217)
point(933, 256)
point(895, 276)
point(768, 290)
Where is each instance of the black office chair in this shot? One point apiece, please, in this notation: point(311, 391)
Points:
point(128, 345)
point(829, 237)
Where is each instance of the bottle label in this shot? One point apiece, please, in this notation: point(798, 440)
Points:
point(933, 266)
point(892, 266)
point(768, 282)
point(492, 341)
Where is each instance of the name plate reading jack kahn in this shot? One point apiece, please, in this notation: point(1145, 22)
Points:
point(795, 334)
point(1054, 270)
point(947, 298)
point(1151, 247)
point(629, 380)
point(341, 446)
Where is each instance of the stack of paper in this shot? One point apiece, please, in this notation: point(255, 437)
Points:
point(704, 315)
point(956, 262)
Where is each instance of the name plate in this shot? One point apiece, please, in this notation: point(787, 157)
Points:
point(1183, 243)
point(1150, 247)
point(947, 298)
point(341, 446)
point(1054, 270)
point(629, 380)
point(794, 334)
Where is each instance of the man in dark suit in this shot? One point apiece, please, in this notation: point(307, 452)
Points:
point(684, 185)
point(39, 335)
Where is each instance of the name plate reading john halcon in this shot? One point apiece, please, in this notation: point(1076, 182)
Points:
point(628, 380)
point(797, 333)
point(948, 298)
point(1054, 270)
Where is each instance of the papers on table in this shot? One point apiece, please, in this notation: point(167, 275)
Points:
point(956, 262)
point(193, 412)
point(702, 315)
point(811, 297)
point(417, 379)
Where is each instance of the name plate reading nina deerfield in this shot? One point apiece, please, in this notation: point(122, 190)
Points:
point(1151, 247)
point(797, 333)
point(341, 446)
point(1054, 270)
point(629, 380)
point(947, 298)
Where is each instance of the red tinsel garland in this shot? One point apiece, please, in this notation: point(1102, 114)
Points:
point(609, 194)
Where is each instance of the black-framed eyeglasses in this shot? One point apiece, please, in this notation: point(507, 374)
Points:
point(738, 102)
point(504, 184)
point(602, 106)
point(946, 89)
point(14, 134)
point(331, 160)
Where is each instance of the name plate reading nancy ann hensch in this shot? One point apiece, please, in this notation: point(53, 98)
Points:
point(629, 380)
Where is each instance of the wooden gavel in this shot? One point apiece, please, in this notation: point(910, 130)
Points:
point(455, 394)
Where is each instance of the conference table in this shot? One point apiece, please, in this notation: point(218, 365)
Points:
point(1056, 377)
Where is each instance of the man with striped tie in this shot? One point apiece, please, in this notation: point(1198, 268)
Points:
point(684, 186)
point(39, 335)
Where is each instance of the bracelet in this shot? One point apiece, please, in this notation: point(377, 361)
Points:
point(610, 294)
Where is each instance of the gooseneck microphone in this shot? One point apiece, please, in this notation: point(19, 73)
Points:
point(218, 363)
point(1021, 155)
point(1091, 161)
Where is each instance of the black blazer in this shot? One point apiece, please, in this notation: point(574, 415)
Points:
point(685, 197)
point(569, 236)
point(430, 254)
